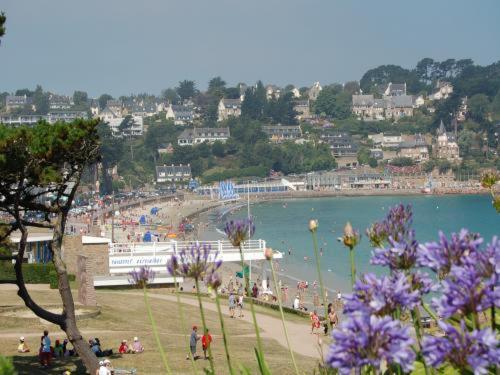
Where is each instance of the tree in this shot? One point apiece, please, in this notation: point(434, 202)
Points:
point(41, 101)
point(282, 110)
point(2, 24)
point(218, 149)
point(333, 103)
point(80, 98)
point(255, 101)
point(111, 150)
point(351, 87)
point(170, 95)
point(103, 100)
point(479, 106)
point(363, 156)
point(402, 162)
point(186, 89)
point(466, 140)
point(41, 168)
point(216, 87)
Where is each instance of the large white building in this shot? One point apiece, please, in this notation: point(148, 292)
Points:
point(195, 136)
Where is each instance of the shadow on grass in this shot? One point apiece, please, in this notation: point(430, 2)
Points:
point(30, 364)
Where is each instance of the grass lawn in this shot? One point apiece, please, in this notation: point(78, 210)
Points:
point(124, 317)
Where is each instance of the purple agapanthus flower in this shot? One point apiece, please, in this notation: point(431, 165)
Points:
point(368, 340)
point(464, 291)
point(397, 255)
point(194, 261)
point(238, 231)
point(382, 296)
point(440, 256)
point(213, 279)
point(474, 350)
point(396, 225)
point(142, 276)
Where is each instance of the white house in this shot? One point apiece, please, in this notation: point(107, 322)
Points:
point(314, 91)
point(195, 136)
point(181, 114)
point(228, 108)
point(443, 91)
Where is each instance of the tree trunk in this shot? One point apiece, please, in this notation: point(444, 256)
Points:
point(69, 325)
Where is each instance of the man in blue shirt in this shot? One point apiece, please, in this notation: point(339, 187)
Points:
point(45, 349)
point(193, 341)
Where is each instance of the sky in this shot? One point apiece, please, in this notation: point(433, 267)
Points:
point(133, 46)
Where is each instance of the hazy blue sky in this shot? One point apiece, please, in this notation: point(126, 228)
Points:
point(125, 46)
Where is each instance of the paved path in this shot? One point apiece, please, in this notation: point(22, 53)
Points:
point(301, 340)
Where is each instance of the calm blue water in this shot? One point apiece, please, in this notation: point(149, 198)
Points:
point(286, 227)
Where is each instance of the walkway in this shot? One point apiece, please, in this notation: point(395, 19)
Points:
point(301, 340)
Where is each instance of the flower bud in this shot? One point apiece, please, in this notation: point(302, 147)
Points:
point(313, 225)
point(268, 253)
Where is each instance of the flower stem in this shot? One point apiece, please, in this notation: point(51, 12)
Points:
point(278, 294)
point(353, 266)
point(202, 313)
point(429, 311)
point(415, 314)
point(244, 274)
point(155, 331)
point(183, 324)
point(252, 310)
point(224, 336)
point(318, 268)
point(493, 319)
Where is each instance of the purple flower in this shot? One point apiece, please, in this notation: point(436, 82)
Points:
point(422, 282)
point(142, 276)
point(194, 261)
point(462, 349)
point(213, 279)
point(464, 292)
point(396, 225)
point(442, 255)
point(398, 255)
point(382, 296)
point(368, 340)
point(238, 231)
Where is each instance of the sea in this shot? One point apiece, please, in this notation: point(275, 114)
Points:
point(283, 224)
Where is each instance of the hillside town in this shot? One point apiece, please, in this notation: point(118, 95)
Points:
point(383, 125)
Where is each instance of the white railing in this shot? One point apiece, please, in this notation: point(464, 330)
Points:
point(166, 248)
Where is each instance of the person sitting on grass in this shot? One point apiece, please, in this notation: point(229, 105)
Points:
point(137, 346)
point(206, 341)
point(58, 349)
point(22, 347)
point(124, 349)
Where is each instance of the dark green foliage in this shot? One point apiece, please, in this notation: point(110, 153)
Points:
point(402, 162)
point(41, 101)
point(2, 24)
point(6, 366)
point(80, 98)
point(186, 89)
point(103, 99)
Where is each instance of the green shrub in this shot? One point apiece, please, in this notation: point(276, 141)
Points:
point(33, 273)
point(6, 366)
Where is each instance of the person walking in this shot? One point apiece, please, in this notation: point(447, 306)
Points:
point(232, 304)
point(193, 341)
point(240, 305)
point(315, 323)
point(206, 341)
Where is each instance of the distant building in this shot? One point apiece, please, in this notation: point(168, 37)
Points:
point(94, 107)
point(415, 148)
point(229, 108)
point(65, 116)
point(107, 115)
point(366, 107)
point(16, 101)
point(351, 179)
point(195, 136)
point(51, 118)
point(446, 145)
point(272, 92)
point(303, 109)
point(341, 144)
point(443, 91)
point(60, 102)
point(314, 91)
point(395, 89)
point(116, 106)
point(385, 140)
point(295, 92)
point(178, 175)
point(126, 126)
point(180, 114)
point(282, 133)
